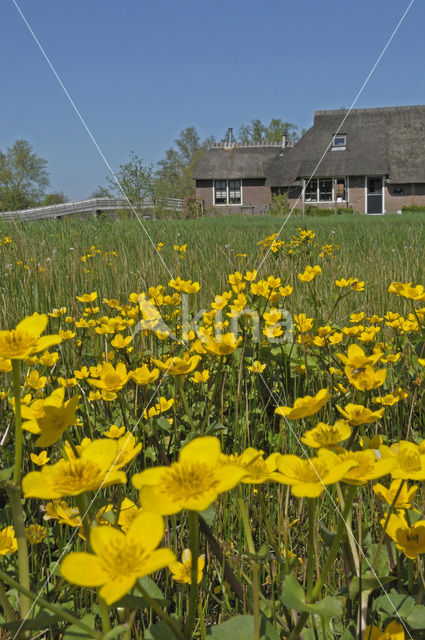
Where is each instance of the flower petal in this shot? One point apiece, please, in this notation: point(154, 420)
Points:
point(147, 529)
point(116, 589)
point(84, 569)
point(205, 449)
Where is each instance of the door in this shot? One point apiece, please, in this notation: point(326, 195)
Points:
point(374, 195)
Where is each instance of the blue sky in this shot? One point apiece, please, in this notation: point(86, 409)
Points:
point(140, 71)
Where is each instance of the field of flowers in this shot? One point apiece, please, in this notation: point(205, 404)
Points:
point(217, 434)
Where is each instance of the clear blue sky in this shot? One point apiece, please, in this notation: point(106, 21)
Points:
point(140, 71)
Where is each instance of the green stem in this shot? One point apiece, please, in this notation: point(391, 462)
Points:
point(17, 472)
point(9, 613)
point(255, 567)
point(179, 383)
point(310, 543)
point(62, 613)
point(163, 615)
point(272, 539)
point(213, 394)
point(104, 615)
point(384, 528)
point(351, 492)
point(193, 589)
point(23, 561)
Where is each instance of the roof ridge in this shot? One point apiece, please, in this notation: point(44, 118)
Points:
point(328, 112)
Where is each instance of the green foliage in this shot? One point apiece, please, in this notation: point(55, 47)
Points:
point(136, 181)
point(53, 198)
point(257, 131)
point(23, 177)
point(319, 212)
point(413, 208)
point(279, 205)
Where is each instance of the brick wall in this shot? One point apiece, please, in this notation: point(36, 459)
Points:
point(356, 193)
point(411, 194)
point(255, 196)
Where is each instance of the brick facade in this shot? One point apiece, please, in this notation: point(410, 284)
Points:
point(255, 197)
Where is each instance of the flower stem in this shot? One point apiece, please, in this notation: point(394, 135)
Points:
point(255, 567)
point(310, 542)
point(23, 562)
point(104, 615)
point(163, 615)
point(351, 492)
point(9, 613)
point(46, 604)
point(193, 589)
point(17, 472)
point(180, 385)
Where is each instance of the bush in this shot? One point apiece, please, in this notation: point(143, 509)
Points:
point(317, 212)
point(413, 208)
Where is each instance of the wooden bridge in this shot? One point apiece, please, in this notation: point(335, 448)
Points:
point(92, 205)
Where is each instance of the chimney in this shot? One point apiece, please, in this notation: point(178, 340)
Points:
point(284, 141)
point(230, 140)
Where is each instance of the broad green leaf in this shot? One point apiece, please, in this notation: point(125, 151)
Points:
point(395, 604)
point(416, 618)
point(242, 628)
point(208, 515)
point(75, 633)
point(368, 584)
point(116, 632)
point(159, 631)
point(152, 588)
point(293, 596)
point(39, 622)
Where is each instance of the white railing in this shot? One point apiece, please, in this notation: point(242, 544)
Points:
point(87, 206)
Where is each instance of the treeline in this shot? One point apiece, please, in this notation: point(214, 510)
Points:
point(24, 177)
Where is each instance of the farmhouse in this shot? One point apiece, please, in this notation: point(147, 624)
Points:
point(372, 160)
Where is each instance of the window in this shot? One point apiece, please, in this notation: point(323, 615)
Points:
point(227, 192)
point(325, 190)
point(339, 141)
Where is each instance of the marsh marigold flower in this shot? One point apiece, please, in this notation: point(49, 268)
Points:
point(357, 414)
point(193, 483)
point(367, 467)
point(92, 470)
point(182, 571)
point(41, 459)
point(306, 406)
point(8, 542)
point(258, 469)
point(114, 431)
point(310, 273)
point(405, 495)
point(408, 538)
point(393, 631)
point(176, 366)
point(35, 533)
point(309, 478)
point(52, 417)
point(119, 559)
point(326, 435)
point(25, 340)
point(221, 346)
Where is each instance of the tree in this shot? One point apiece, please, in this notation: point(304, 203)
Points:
point(23, 177)
point(174, 172)
point(136, 181)
point(257, 131)
point(53, 198)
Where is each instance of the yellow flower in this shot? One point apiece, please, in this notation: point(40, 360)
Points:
point(91, 471)
point(35, 533)
point(182, 571)
point(357, 414)
point(119, 342)
point(8, 542)
point(25, 340)
point(127, 450)
point(357, 359)
point(308, 478)
point(48, 359)
point(111, 379)
point(391, 398)
point(366, 378)
point(367, 467)
point(256, 367)
point(411, 460)
point(306, 406)
point(408, 538)
point(303, 323)
point(34, 380)
point(160, 407)
point(326, 435)
point(66, 335)
point(5, 365)
point(128, 511)
point(405, 497)
point(193, 483)
point(310, 273)
point(114, 431)
point(394, 631)
point(408, 291)
point(252, 461)
point(199, 377)
point(119, 559)
point(41, 459)
point(142, 376)
point(57, 415)
point(221, 346)
point(57, 313)
point(371, 443)
point(178, 366)
point(87, 297)
point(60, 511)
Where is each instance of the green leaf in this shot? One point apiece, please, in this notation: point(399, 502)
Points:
point(152, 588)
point(208, 515)
point(241, 628)
point(163, 423)
point(395, 604)
point(350, 633)
point(6, 474)
point(368, 584)
point(159, 631)
point(293, 597)
point(116, 632)
point(74, 632)
point(416, 618)
point(39, 622)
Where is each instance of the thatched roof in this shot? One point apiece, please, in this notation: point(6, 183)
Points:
point(385, 141)
point(235, 162)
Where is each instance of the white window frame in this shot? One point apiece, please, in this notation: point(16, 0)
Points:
point(317, 200)
point(343, 145)
point(228, 203)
